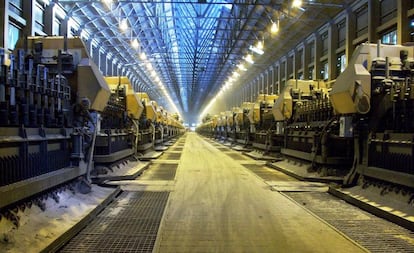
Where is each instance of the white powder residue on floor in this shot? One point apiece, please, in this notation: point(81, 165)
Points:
point(126, 169)
point(37, 229)
point(113, 212)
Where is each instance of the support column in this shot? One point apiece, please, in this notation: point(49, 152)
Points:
point(350, 34)
point(65, 26)
point(300, 61)
point(254, 89)
point(267, 82)
point(403, 33)
point(261, 82)
point(109, 66)
point(114, 73)
point(107, 62)
point(118, 69)
point(49, 17)
point(99, 63)
point(4, 23)
point(277, 79)
point(95, 55)
point(272, 80)
point(251, 91)
point(102, 62)
point(373, 20)
point(28, 7)
point(318, 54)
point(90, 47)
point(333, 45)
point(290, 65)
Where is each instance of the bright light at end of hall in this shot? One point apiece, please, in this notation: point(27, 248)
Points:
point(123, 25)
point(135, 43)
point(297, 3)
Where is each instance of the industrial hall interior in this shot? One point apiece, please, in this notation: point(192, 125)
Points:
point(213, 126)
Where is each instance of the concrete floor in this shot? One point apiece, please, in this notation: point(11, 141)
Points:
point(217, 205)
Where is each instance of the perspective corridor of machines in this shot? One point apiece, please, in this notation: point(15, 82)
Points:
point(356, 132)
point(63, 125)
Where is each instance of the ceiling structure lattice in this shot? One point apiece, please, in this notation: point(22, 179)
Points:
point(194, 45)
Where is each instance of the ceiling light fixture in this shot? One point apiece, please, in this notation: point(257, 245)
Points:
point(256, 49)
point(259, 45)
point(297, 4)
point(241, 67)
point(249, 59)
point(107, 3)
point(134, 43)
point(275, 27)
point(123, 25)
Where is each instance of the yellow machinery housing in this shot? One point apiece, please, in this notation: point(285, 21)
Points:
point(53, 90)
point(89, 82)
point(283, 107)
point(150, 111)
point(133, 103)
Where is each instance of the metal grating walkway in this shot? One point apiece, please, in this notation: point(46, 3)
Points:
point(170, 156)
point(162, 171)
point(224, 149)
point(177, 149)
point(129, 224)
point(218, 206)
point(237, 156)
point(375, 234)
point(268, 174)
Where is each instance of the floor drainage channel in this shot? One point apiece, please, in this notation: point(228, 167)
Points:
point(129, 224)
point(374, 233)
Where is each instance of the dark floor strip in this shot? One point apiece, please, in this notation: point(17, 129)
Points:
point(129, 224)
